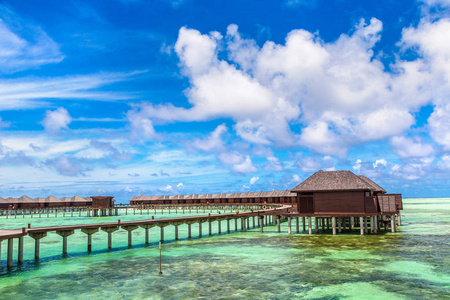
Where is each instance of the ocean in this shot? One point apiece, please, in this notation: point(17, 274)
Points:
point(413, 263)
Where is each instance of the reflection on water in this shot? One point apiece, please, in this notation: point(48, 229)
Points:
point(411, 264)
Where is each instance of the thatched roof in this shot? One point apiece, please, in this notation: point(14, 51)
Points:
point(322, 181)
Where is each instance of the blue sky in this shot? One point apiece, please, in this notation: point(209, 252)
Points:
point(178, 97)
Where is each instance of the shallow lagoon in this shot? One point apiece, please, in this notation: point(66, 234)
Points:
point(413, 263)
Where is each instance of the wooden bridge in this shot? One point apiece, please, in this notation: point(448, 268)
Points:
point(264, 217)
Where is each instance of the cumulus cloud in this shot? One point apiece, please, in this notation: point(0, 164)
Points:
point(338, 91)
point(213, 142)
point(273, 164)
point(167, 188)
point(253, 180)
point(405, 147)
point(56, 120)
point(310, 164)
point(68, 166)
point(245, 166)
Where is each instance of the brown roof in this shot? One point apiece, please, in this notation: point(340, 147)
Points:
point(322, 181)
point(375, 186)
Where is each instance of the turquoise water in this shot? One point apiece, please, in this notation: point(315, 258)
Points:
point(410, 264)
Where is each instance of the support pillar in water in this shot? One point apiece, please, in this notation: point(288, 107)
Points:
point(64, 234)
point(375, 224)
point(20, 251)
point(304, 223)
point(297, 225)
point(309, 225)
point(316, 221)
point(393, 223)
point(147, 227)
point(333, 224)
point(361, 225)
point(9, 262)
point(130, 229)
point(37, 236)
point(278, 223)
point(261, 223)
point(110, 230)
point(89, 232)
point(289, 225)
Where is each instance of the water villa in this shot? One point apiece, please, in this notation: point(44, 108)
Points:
point(332, 200)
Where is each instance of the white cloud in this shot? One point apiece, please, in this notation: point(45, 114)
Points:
point(213, 142)
point(66, 166)
point(380, 162)
point(444, 162)
point(313, 164)
point(30, 92)
point(253, 180)
point(167, 188)
point(246, 166)
point(296, 178)
point(23, 45)
point(180, 186)
point(405, 147)
point(56, 120)
point(274, 164)
point(439, 124)
point(339, 91)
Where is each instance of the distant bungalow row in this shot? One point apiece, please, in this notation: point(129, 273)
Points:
point(25, 202)
point(237, 198)
point(324, 193)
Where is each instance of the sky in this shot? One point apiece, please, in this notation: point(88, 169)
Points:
point(166, 97)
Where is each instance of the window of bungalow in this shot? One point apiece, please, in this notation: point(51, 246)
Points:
point(367, 194)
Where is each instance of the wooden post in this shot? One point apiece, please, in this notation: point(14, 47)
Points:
point(297, 225)
point(333, 224)
point(278, 224)
point(20, 251)
point(9, 262)
point(375, 224)
point(316, 221)
point(339, 224)
point(304, 223)
point(200, 229)
point(89, 232)
point(309, 225)
point(361, 225)
point(176, 232)
point(189, 230)
point(37, 236)
point(110, 230)
point(219, 226)
point(393, 223)
point(365, 225)
point(289, 225)
point(261, 223)
point(64, 234)
point(228, 225)
point(209, 227)
point(130, 228)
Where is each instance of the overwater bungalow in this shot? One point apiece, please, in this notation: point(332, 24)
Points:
point(343, 192)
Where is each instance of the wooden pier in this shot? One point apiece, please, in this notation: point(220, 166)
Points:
point(263, 216)
point(310, 223)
